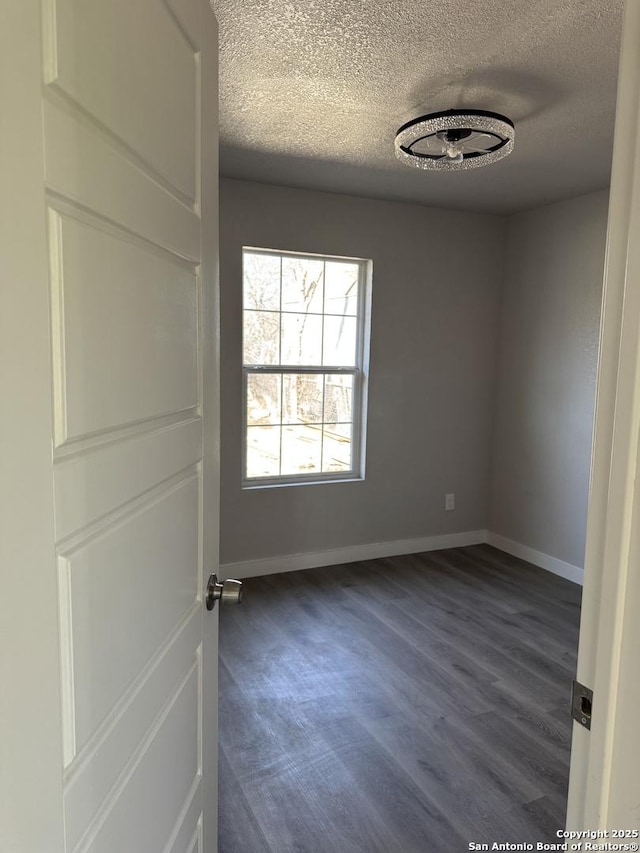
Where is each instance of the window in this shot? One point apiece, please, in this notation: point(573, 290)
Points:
point(305, 346)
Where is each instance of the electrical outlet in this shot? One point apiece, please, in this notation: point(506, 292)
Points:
point(450, 501)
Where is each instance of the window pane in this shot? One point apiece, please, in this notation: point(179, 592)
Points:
point(261, 275)
point(301, 339)
point(338, 392)
point(302, 285)
point(301, 449)
point(336, 447)
point(302, 398)
point(301, 315)
point(263, 398)
point(263, 451)
point(341, 288)
point(339, 341)
point(261, 337)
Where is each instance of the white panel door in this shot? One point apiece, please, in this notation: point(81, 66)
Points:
point(109, 428)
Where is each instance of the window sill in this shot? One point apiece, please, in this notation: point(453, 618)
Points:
point(273, 484)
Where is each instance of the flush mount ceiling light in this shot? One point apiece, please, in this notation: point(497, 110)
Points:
point(455, 139)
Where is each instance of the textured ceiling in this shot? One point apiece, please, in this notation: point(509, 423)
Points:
point(312, 93)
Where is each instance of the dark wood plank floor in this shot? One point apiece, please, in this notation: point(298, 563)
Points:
point(403, 705)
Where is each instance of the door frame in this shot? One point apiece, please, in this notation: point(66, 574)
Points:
point(612, 563)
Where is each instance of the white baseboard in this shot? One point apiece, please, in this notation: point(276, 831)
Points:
point(538, 558)
point(376, 550)
point(351, 554)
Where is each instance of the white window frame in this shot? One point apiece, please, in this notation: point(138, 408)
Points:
point(360, 373)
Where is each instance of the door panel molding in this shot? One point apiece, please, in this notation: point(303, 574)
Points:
point(151, 460)
point(122, 191)
point(94, 51)
point(129, 818)
point(119, 311)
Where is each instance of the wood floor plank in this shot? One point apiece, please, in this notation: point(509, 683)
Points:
point(518, 751)
point(482, 670)
point(416, 822)
point(479, 604)
point(402, 705)
point(441, 775)
point(237, 823)
point(428, 628)
point(478, 622)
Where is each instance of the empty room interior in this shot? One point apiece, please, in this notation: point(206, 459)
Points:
point(408, 374)
point(320, 463)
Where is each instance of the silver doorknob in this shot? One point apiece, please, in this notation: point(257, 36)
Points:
point(227, 592)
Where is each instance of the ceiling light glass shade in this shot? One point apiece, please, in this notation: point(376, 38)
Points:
point(455, 139)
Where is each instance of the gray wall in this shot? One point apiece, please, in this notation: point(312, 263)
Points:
point(437, 277)
point(547, 371)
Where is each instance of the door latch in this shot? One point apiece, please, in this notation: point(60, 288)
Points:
point(581, 704)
